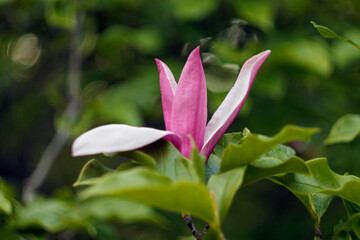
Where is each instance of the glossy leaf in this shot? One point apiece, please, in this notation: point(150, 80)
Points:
point(342, 230)
point(321, 180)
point(269, 166)
point(324, 31)
point(51, 215)
point(280, 161)
point(197, 163)
point(253, 146)
point(319, 203)
point(172, 164)
point(225, 185)
point(212, 166)
point(90, 171)
point(56, 215)
point(280, 152)
point(346, 129)
point(227, 139)
point(328, 33)
point(140, 158)
point(353, 211)
point(152, 188)
point(104, 209)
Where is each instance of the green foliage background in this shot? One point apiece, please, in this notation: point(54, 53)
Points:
point(307, 80)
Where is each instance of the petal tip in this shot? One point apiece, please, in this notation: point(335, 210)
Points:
point(267, 52)
point(74, 150)
point(196, 51)
point(158, 61)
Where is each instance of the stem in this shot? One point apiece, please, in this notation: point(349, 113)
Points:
point(72, 111)
point(190, 224)
point(206, 227)
point(318, 231)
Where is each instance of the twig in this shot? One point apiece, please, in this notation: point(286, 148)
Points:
point(206, 227)
point(190, 224)
point(318, 233)
point(72, 111)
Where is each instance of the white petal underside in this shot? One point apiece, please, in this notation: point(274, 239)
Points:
point(119, 138)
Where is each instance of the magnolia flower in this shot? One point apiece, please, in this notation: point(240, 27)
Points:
point(185, 113)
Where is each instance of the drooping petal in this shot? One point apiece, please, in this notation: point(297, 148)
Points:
point(189, 113)
point(233, 102)
point(119, 138)
point(167, 88)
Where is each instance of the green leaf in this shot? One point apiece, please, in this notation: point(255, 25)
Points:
point(321, 180)
point(353, 211)
point(5, 204)
point(91, 171)
point(342, 231)
point(268, 167)
point(225, 186)
point(346, 129)
point(227, 139)
point(328, 33)
point(149, 187)
point(197, 163)
point(319, 203)
point(280, 152)
point(277, 162)
point(253, 146)
point(140, 158)
point(325, 32)
point(172, 164)
point(51, 215)
point(352, 43)
point(212, 166)
point(55, 215)
point(104, 209)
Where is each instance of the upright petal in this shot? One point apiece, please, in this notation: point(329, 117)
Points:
point(189, 113)
point(233, 102)
point(119, 138)
point(167, 88)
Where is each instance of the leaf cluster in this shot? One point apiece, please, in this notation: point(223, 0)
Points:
point(159, 176)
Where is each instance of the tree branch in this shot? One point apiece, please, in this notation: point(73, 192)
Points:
point(71, 113)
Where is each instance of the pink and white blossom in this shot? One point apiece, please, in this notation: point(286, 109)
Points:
point(185, 113)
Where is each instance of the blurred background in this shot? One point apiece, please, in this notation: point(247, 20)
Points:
point(67, 66)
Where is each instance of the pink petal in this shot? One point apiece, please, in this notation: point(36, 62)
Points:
point(189, 114)
point(167, 88)
point(119, 138)
point(233, 102)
